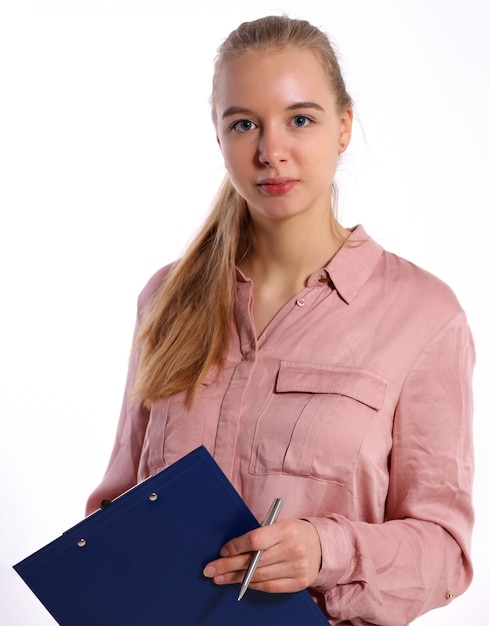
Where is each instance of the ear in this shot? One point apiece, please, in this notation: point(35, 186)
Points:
point(346, 123)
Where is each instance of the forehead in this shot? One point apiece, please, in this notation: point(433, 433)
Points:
point(259, 77)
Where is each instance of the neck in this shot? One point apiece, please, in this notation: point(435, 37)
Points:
point(288, 254)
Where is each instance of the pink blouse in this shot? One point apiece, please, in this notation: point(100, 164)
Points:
point(355, 405)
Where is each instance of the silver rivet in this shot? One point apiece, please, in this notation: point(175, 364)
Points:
point(81, 543)
point(153, 496)
point(300, 302)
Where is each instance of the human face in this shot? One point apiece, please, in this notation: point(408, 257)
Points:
point(280, 132)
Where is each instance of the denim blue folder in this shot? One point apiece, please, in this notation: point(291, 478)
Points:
point(139, 561)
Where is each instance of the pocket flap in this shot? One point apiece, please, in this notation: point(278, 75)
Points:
point(359, 384)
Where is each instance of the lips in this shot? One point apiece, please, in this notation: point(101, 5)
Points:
point(277, 186)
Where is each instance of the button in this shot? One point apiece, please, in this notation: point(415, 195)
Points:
point(323, 278)
point(81, 543)
point(449, 596)
point(300, 302)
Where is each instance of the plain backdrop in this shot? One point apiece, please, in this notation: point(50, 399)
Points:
point(108, 163)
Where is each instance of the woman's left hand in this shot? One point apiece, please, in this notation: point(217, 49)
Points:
point(290, 561)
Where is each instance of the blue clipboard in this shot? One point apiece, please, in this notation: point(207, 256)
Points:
point(139, 561)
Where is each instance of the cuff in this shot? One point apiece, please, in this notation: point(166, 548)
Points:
point(336, 552)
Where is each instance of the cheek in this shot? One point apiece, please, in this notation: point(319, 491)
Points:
point(321, 156)
point(237, 157)
point(237, 167)
point(327, 144)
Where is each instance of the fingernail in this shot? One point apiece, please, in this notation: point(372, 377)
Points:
point(210, 572)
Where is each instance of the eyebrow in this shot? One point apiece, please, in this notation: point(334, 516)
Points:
point(293, 107)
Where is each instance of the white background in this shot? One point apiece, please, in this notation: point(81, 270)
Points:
point(107, 165)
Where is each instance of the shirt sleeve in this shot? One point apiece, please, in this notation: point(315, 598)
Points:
point(418, 559)
point(122, 471)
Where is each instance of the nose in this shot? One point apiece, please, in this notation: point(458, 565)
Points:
point(273, 148)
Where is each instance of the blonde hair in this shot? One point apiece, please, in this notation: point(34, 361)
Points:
point(187, 329)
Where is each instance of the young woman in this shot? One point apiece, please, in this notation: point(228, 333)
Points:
point(309, 361)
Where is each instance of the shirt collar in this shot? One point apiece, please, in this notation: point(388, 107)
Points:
point(352, 265)
point(349, 269)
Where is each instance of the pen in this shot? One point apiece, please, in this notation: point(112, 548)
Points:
point(269, 520)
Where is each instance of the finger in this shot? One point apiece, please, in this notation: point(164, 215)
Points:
point(281, 575)
point(227, 570)
point(269, 579)
point(277, 585)
point(262, 538)
point(232, 569)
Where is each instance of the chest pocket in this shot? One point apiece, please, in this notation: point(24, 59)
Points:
point(315, 421)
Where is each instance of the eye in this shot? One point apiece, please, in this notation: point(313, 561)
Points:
point(300, 121)
point(243, 126)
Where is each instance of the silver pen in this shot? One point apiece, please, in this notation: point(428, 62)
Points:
point(269, 520)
